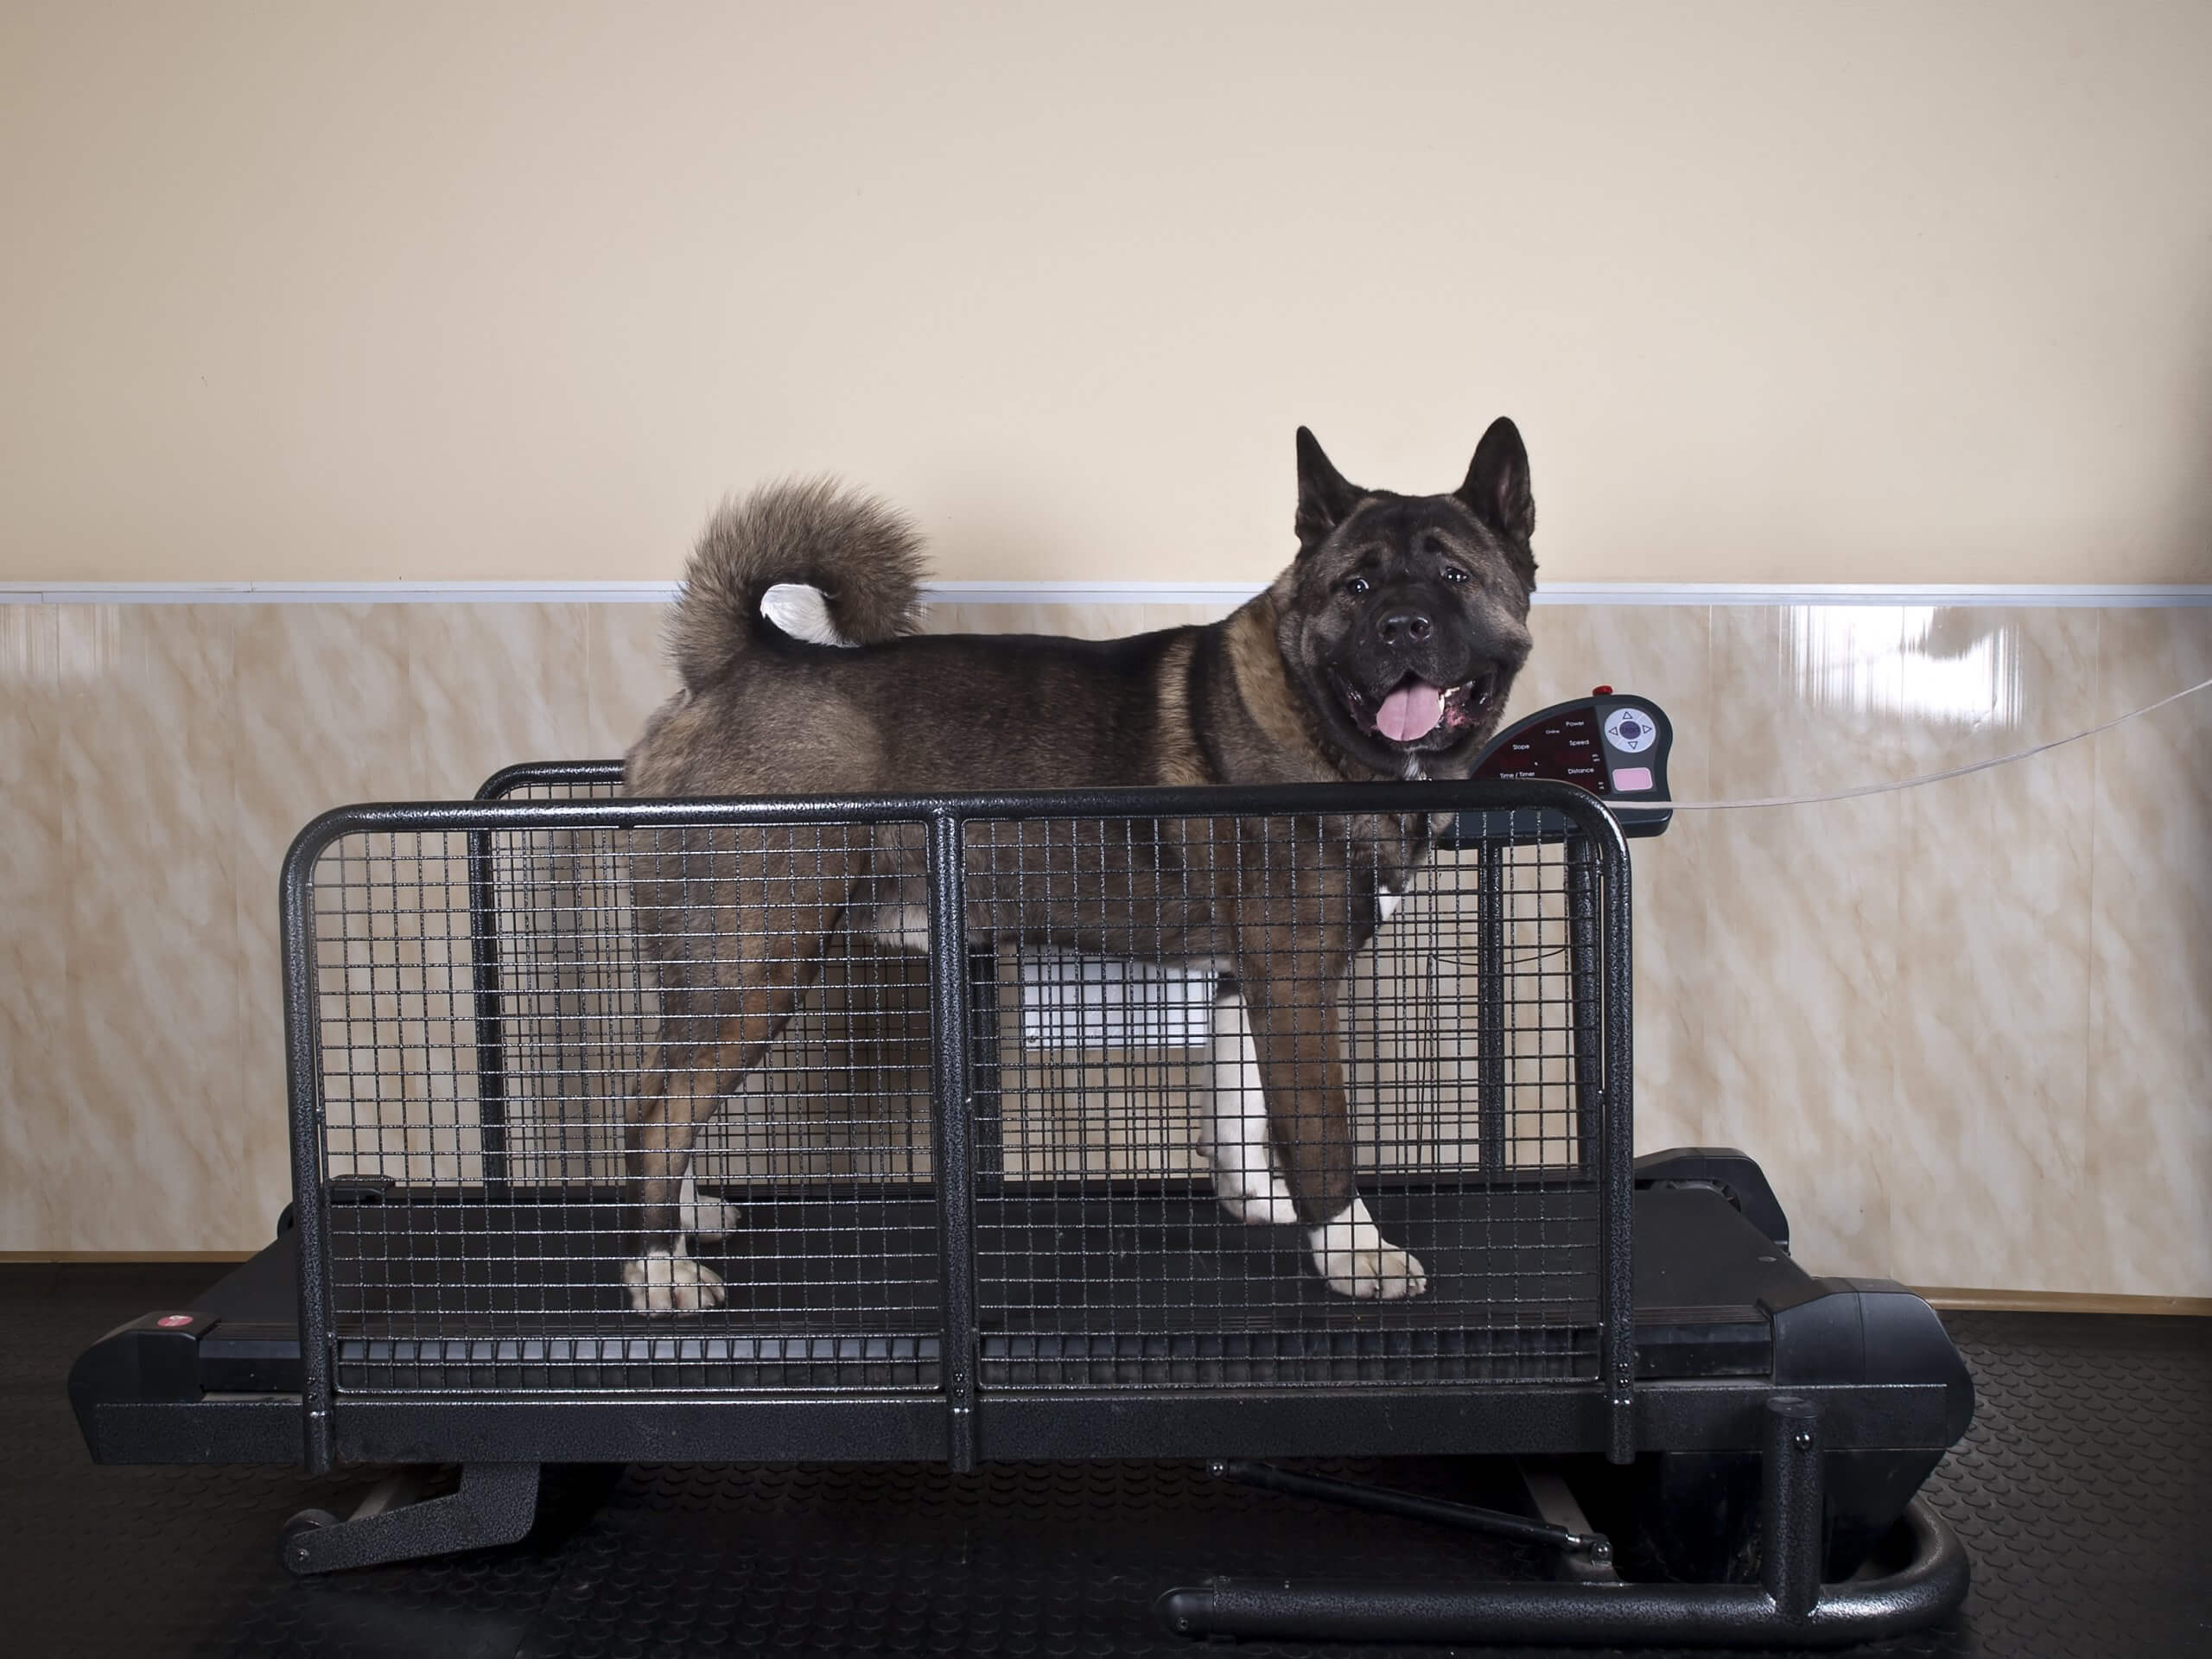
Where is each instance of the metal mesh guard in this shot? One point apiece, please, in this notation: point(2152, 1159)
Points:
point(490, 994)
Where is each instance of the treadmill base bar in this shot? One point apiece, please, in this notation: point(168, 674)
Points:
point(1930, 1586)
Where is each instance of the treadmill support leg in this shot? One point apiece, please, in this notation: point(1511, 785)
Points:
point(1791, 1551)
point(496, 1504)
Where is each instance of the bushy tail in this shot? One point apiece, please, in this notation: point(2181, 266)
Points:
point(864, 557)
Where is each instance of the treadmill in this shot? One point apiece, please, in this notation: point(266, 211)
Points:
point(1745, 1472)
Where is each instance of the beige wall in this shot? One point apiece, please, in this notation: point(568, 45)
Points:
point(1882, 292)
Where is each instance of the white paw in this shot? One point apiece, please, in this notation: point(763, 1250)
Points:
point(669, 1281)
point(1355, 1259)
point(1385, 1274)
point(704, 1217)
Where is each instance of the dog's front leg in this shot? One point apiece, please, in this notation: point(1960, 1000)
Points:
point(1233, 1123)
point(1295, 1031)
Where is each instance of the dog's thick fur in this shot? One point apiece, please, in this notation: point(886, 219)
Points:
point(1385, 651)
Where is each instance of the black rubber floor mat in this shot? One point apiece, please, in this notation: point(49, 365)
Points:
point(2081, 1492)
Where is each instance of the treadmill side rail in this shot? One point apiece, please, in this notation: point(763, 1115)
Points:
point(155, 1357)
point(263, 1429)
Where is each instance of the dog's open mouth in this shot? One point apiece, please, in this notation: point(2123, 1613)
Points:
point(1414, 709)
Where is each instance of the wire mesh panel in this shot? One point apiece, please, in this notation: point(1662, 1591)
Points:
point(842, 1090)
point(498, 1009)
point(1309, 1100)
point(1016, 1093)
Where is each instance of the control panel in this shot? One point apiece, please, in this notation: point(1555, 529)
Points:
point(1611, 743)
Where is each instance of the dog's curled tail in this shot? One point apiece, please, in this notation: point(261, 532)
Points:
point(861, 557)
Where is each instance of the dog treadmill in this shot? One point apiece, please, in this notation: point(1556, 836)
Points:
point(955, 1214)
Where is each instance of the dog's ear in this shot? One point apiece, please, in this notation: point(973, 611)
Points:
point(1325, 500)
point(1496, 489)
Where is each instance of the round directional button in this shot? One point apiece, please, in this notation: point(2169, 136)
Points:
point(1630, 730)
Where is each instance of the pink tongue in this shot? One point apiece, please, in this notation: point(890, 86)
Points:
point(1410, 712)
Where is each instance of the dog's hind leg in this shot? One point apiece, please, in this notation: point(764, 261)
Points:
point(675, 1098)
point(711, 1039)
point(1233, 1123)
point(703, 1218)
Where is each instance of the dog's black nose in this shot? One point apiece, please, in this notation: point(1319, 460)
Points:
point(1404, 628)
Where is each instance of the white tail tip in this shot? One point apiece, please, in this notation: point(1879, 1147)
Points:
point(801, 612)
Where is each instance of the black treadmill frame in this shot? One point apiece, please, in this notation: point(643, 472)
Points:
point(1857, 1393)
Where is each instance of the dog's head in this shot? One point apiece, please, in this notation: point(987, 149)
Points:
point(1407, 616)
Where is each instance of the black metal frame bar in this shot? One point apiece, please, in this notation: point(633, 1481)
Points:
point(1522, 811)
point(490, 1027)
point(1065, 1424)
point(952, 1159)
point(1387, 1500)
point(1611, 1022)
point(483, 952)
point(303, 1086)
point(1490, 1006)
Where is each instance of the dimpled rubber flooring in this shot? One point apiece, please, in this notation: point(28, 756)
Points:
point(2084, 1492)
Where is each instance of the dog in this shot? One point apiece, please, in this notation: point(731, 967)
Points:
point(1385, 651)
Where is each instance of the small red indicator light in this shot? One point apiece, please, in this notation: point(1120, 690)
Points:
point(1601, 690)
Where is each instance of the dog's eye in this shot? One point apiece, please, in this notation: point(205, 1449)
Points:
point(1453, 573)
point(1356, 587)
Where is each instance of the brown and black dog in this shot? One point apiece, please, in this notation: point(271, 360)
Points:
point(1384, 651)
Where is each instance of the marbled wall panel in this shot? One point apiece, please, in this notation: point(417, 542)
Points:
point(2146, 1184)
point(325, 717)
point(493, 684)
point(1664, 652)
point(1964, 1028)
point(627, 676)
point(1802, 916)
point(1991, 1000)
point(37, 1064)
point(150, 1126)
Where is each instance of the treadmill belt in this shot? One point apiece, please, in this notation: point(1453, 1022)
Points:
point(1073, 1289)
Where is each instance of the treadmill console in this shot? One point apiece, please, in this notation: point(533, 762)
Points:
point(1612, 744)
